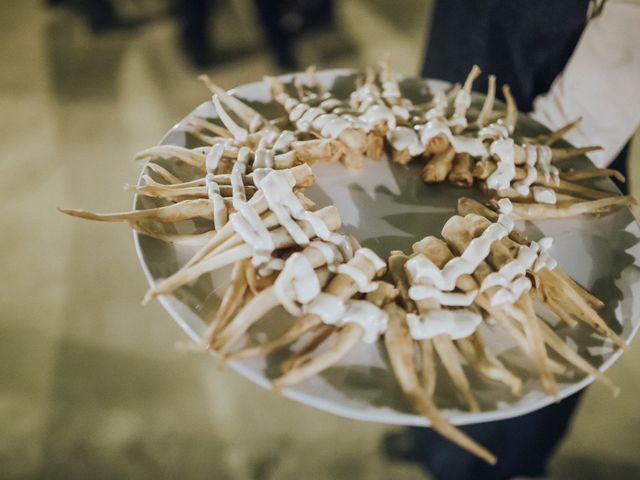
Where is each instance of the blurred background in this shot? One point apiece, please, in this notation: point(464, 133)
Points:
point(91, 384)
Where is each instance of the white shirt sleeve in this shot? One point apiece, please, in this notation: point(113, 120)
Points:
point(601, 83)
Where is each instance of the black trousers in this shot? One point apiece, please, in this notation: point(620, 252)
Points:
point(525, 43)
point(522, 444)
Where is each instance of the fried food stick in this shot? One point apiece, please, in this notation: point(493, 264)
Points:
point(280, 237)
point(515, 328)
point(440, 252)
point(458, 233)
point(184, 210)
point(251, 119)
point(427, 372)
point(303, 177)
point(468, 205)
point(473, 347)
point(592, 173)
point(379, 297)
point(173, 152)
point(512, 109)
point(165, 174)
point(445, 348)
point(399, 345)
point(460, 108)
point(552, 137)
point(230, 301)
point(191, 240)
point(487, 106)
point(565, 296)
point(353, 139)
point(299, 328)
point(264, 301)
point(188, 193)
point(438, 167)
point(348, 336)
point(460, 173)
point(199, 124)
point(532, 211)
point(319, 334)
point(190, 209)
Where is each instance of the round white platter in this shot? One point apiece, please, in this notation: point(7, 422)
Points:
point(387, 207)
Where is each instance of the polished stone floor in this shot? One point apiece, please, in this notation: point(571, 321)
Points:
point(91, 384)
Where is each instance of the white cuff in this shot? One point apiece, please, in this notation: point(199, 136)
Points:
point(601, 83)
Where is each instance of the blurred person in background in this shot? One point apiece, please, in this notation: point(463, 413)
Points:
point(563, 60)
point(282, 22)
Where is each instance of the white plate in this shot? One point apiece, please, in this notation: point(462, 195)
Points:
point(388, 207)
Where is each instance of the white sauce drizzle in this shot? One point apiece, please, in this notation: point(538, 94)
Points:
point(284, 141)
point(331, 125)
point(376, 113)
point(372, 319)
point(544, 162)
point(296, 113)
point(461, 104)
point(544, 195)
point(428, 281)
point(365, 96)
point(213, 158)
point(263, 158)
point(401, 112)
point(431, 282)
point(545, 260)
point(440, 104)
point(358, 276)
point(248, 224)
point(290, 103)
point(402, 138)
point(277, 188)
point(330, 308)
point(309, 116)
point(220, 213)
point(268, 136)
point(376, 261)
point(501, 178)
point(330, 253)
point(538, 160)
point(330, 104)
point(449, 299)
point(511, 276)
point(405, 138)
point(306, 117)
point(455, 323)
point(494, 131)
point(523, 186)
point(390, 90)
point(333, 311)
point(297, 282)
point(461, 144)
point(421, 269)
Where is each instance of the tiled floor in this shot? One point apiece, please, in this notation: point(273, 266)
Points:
point(91, 385)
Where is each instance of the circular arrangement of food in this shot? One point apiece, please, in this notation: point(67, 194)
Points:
point(429, 309)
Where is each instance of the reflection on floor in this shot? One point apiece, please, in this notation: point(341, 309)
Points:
point(92, 385)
